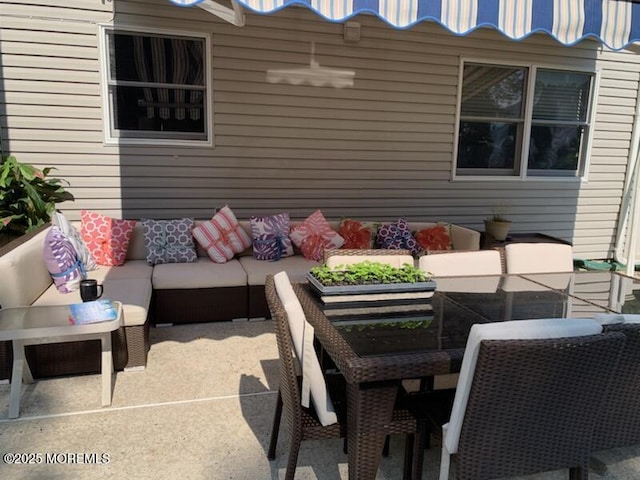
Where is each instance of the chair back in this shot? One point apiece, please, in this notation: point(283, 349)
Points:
point(455, 264)
point(618, 424)
point(395, 258)
point(538, 257)
point(314, 387)
point(528, 395)
point(288, 363)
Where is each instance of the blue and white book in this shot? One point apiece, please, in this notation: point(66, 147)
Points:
point(101, 310)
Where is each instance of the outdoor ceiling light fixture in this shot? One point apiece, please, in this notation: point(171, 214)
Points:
point(314, 75)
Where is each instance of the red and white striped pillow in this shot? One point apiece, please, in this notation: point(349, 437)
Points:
point(222, 236)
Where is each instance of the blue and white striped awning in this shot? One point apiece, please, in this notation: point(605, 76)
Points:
point(615, 23)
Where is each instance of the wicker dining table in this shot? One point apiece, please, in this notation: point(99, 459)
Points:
point(376, 354)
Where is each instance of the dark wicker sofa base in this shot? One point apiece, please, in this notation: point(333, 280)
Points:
point(198, 305)
point(258, 307)
point(130, 346)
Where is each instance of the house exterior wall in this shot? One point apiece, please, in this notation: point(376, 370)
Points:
point(379, 150)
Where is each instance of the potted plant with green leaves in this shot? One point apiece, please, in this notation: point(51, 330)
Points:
point(497, 226)
point(28, 197)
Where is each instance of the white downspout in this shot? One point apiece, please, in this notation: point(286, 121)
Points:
point(630, 199)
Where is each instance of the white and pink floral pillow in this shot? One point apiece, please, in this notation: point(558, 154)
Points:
point(107, 238)
point(314, 235)
point(222, 236)
point(270, 237)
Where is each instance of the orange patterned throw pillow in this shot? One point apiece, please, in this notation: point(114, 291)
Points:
point(357, 234)
point(107, 238)
point(435, 238)
point(314, 235)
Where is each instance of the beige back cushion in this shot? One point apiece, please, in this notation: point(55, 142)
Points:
point(24, 273)
point(538, 257)
point(393, 260)
point(481, 262)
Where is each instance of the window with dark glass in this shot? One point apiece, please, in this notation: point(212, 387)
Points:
point(501, 135)
point(157, 86)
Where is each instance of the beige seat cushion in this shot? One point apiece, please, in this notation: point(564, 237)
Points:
point(135, 295)
point(131, 269)
point(296, 267)
point(201, 274)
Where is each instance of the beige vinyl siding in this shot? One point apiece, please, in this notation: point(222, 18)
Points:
point(380, 150)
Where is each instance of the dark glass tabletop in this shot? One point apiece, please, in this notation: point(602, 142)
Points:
point(443, 321)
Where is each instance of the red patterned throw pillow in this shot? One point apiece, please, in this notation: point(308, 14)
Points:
point(314, 235)
point(222, 236)
point(358, 234)
point(107, 238)
point(435, 238)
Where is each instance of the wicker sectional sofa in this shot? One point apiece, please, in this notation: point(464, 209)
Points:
point(174, 293)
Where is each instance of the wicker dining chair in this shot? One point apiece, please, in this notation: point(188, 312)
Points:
point(528, 398)
point(303, 423)
point(618, 424)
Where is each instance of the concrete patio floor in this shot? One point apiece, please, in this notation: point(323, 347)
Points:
point(202, 410)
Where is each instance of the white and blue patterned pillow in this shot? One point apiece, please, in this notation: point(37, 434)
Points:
point(270, 237)
point(169, 241)
point(75, 238)
point(397, 236)
point(62, 260)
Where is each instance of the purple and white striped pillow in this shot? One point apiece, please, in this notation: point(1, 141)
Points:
point(63, 261)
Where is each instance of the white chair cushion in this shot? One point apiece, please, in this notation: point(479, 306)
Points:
point(393, 260)
point(518, 329)
point(481, 262)
point(313, 383)
point(559, 281)
point(484, 284)
point(616, 318)
point(538, 257)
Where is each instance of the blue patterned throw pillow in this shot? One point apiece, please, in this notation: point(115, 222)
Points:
point(397, 236)
point(169, 241)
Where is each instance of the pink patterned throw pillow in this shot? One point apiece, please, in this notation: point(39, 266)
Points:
point(397, 236)
point(63, 261)
point(314, 235)
point(270, 237)
point(222, 236)
point(107, 238)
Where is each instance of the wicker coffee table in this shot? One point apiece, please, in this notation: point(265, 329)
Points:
point(50, 324)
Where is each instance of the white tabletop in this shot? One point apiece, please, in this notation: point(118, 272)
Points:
point(21, 323)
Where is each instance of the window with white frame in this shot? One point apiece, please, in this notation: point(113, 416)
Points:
point(523, 121)
point(157, 87)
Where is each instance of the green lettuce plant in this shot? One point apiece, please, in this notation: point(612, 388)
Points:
point(368, 272)
point(27, 196)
